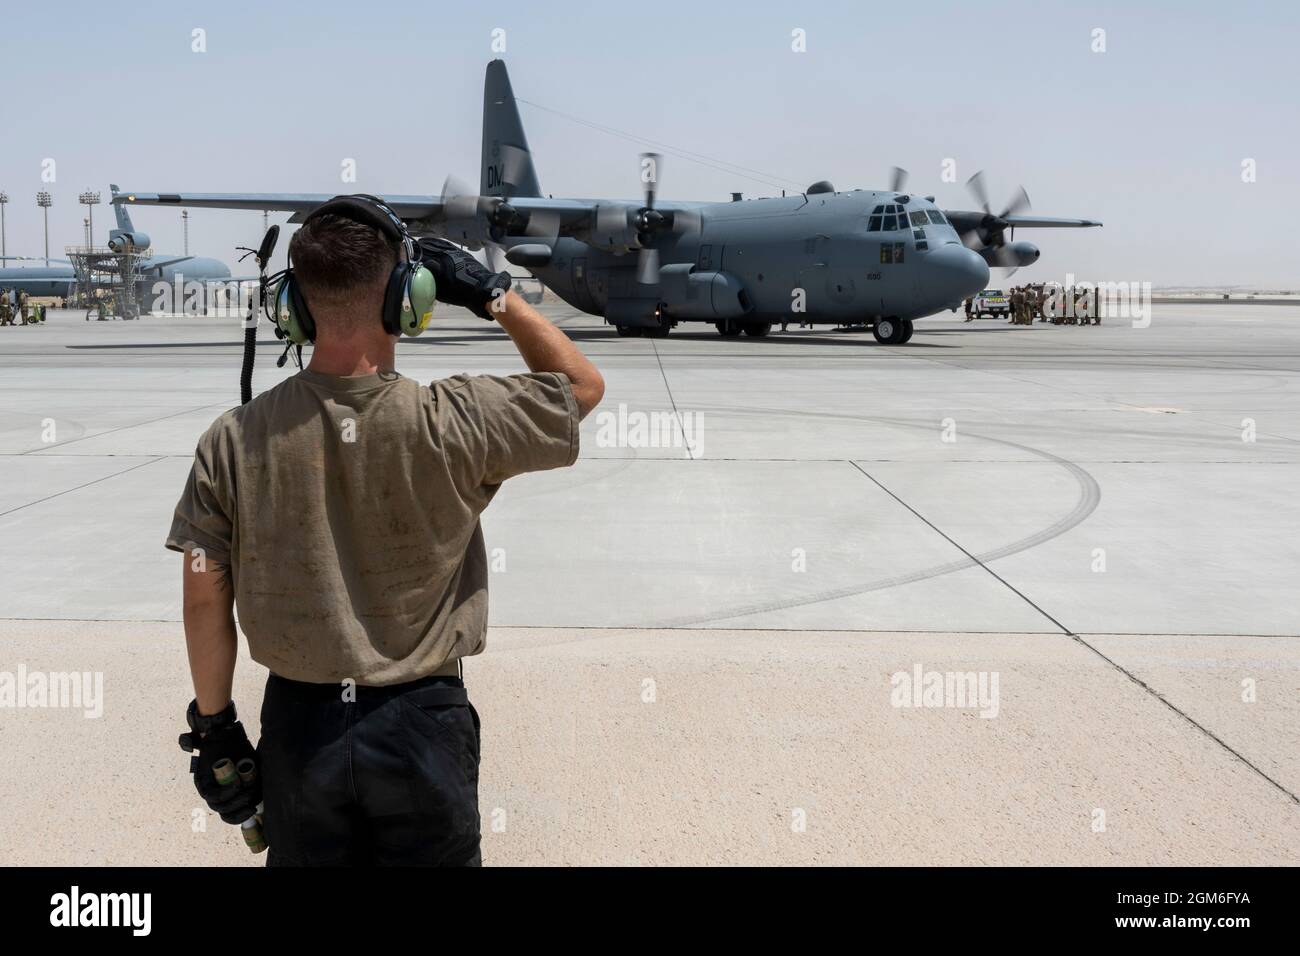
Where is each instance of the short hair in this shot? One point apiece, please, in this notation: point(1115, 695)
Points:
point(335, 258)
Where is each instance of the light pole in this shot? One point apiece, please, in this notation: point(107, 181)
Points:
point(4, 201)
point(90, 200)
point(185, 231)
point(43, 200)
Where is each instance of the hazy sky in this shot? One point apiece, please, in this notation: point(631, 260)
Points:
point(1148, 136)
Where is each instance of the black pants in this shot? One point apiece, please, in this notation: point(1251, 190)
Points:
point(387, 779)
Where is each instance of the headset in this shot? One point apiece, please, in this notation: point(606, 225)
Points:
point(408, 297)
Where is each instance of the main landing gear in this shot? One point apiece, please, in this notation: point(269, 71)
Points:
point(732, 327)
point(659, 331)
point(892, 331)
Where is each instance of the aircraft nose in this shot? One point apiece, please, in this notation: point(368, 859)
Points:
point(961, 272)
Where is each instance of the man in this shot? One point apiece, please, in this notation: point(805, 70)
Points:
point(339, 512)
point(967, 304)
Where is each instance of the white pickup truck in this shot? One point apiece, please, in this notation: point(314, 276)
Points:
point(991, 302)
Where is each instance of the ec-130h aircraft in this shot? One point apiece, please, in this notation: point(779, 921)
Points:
point(881, 257)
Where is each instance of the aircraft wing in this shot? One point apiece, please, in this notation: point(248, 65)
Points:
point(163, 263)
point(33, 259)
point(1048, 222)
point(461, 220)
point(966, 220)
point(408, 207)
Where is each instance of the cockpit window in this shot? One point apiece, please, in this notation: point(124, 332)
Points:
point(936, 217)
point(891, 223)
point(873, 224)
point(918, 218)
point(879, 208)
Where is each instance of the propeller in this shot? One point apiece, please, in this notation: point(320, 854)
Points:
point(463, 205)
point(991, 230)
point(650, 222)
point(897, 179)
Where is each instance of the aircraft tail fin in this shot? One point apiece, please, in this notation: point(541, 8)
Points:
point(507, 164)
point(119, 210)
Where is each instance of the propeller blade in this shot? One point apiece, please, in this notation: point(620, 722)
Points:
point(685, 222)
point(513, 162)
point(458, 199)
point(496, 257)
point(976, 185)
point(544, 225)
point(897, 179)
point(647, 266)
point(1019, 203)
point(611, 218)
point(650, 177)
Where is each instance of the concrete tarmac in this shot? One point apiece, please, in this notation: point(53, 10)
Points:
point(705, 633)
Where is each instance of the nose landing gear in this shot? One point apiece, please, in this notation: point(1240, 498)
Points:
point(890, 331)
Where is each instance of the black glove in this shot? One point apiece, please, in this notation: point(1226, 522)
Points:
point(462, 279)
point(216, 737)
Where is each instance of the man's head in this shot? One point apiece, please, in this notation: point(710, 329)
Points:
point(342, 269)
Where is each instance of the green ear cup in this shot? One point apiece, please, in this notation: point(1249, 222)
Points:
point(286, 318)
point(417, 304)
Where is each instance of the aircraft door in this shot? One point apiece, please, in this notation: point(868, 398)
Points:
point(578, 279)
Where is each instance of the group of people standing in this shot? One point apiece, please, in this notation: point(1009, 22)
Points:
point(1061, 306)
point(16, 310)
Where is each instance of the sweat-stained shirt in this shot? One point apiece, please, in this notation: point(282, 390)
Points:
point(348, 512)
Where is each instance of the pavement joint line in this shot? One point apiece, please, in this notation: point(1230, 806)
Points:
point(712, 630)
point(67, 491)
point(676, 414)
point(119, 428)
point(1065, 631)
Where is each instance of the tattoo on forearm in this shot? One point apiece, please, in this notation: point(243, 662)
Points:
point(223, 575)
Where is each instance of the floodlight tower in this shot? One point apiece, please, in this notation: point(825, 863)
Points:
point(90, 200)
point(43, 200)
point(4, 201)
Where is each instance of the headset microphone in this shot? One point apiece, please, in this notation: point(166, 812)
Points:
point(263, 258)
point(267, 247)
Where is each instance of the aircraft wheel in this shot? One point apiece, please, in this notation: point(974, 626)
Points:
point(659, 331)
point(907, 332)
point(758, 329)
point(888, 331)
point(628, 331)
point(727, 328)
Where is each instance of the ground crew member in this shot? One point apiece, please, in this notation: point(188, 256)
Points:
point(968, 312)
point(22, 305)
point(6, 313)
point(1015, 299)
point(339, 511)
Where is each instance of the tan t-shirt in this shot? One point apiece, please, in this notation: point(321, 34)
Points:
point(347, 510)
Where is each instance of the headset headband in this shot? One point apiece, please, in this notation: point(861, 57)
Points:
point(368, 211)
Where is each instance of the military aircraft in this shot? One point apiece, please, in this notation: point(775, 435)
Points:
point(878, 257)
point(58, 280)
